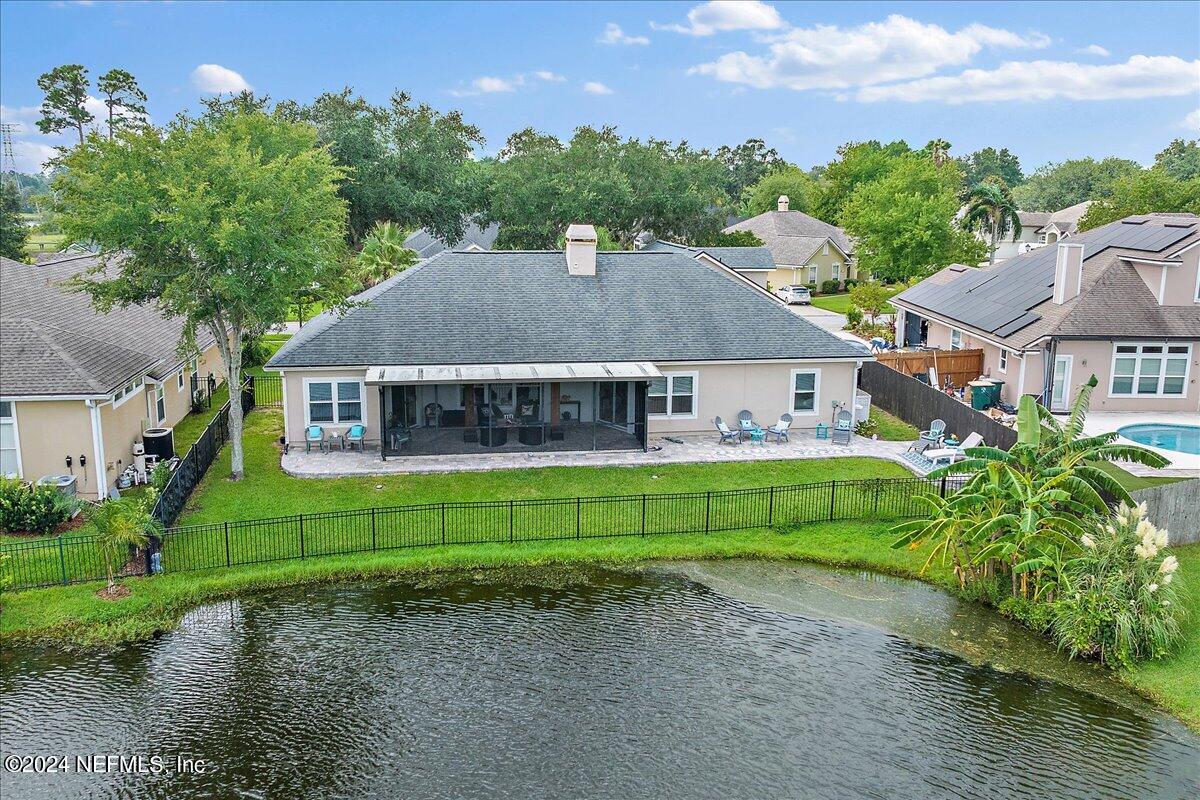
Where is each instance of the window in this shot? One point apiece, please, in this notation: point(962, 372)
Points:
point(179, 381)
point(501, 393)
point(812, 274)
point(1003, 367)
point(955, 339)
point(825, 249)
point(10, 463)
point(127, 391)
point(806, 385)
point(160, 403)
point(347, 407)
point(1150, 369)
point(672, 395)
point(837, 272)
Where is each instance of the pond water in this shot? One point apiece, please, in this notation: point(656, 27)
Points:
point(684, 680)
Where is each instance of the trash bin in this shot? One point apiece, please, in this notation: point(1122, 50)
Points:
point(983, 394)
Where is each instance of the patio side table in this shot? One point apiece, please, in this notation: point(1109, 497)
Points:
point(822, 430)
point(758, 436)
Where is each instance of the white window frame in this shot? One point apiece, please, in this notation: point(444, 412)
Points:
point(825, 248)
point(179, 379)
point(337, 420)
point(837, 271)
point(1137, 368)
point(16, 448)
point(812, 275)
point(1002, 364)
point(130, 390)
point(1197, 298)
point(791, 401)
point(154, 399)
point(955, 333)
point(671, 376)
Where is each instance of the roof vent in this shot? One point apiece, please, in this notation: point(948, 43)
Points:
point(581, 249)
point(783, 202)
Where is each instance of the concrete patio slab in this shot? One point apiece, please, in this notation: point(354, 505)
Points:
point(1183, 465)
point(697, 449)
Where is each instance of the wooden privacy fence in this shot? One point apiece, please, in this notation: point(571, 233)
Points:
point(919, 404)
point(960, 366)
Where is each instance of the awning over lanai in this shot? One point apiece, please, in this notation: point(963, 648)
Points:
point(523, 373)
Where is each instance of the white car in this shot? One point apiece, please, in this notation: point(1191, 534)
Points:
point(794, 295)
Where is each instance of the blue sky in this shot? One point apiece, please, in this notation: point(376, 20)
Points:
point(1047, 80)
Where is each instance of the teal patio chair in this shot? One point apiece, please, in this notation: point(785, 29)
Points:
point(314, 434)
point(842, 428)
point(355, 436)
point(727, 435)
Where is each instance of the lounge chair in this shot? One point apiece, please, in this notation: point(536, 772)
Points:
point(948, 455)
point(746, 422)
point(842, 428)
point(780, 429)
point(314, 434)
point(355, 436)
point(937, 429)
point(727, 435)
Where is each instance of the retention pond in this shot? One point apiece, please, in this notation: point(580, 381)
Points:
point(697, 680)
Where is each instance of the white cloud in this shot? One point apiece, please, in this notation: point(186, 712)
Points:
point(727, 15)
point(30, 156)
point(215, 79)
point(1094, 50)
point(1140, 76)
point(831, 57)
point(596, 87)
point(614, 35)
point(490, 85)
point(1192, 120)
point(96, 108)
point(547, 75)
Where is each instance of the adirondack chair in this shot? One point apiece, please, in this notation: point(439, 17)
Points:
point(314, 434)
point(937, 429)
point(842, 428)
point(745, 422)
point(780, 429)
point(727, 435)
point(948, 455)
point(355, 436)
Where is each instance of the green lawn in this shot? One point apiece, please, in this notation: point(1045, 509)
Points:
point(892, 428)
point(840, 303)
point(1130, 481)
point(43, 243)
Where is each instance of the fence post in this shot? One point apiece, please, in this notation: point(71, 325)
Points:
point(443, 523)
point(771, 507)
point(301, 517)
point(227, 559)
point(372, 529)
point(510, 521)
point(832, 495)
point(62, 560)
point(577, 525)
point(943, 487)
point(643, 515)
point(707, 509)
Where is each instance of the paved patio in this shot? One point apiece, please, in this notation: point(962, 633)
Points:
point(695, 449)
point(1183, 465)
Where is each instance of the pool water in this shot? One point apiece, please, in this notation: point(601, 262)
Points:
point(1180, 438)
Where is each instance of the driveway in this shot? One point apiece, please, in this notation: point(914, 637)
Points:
point(829, 320)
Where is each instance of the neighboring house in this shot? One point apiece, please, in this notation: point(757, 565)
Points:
point(426, 245)
point(805, 249)
point(755, 263)
point(1121, 302)
point(1039, 228)
point(77, 387)
point(575, 350)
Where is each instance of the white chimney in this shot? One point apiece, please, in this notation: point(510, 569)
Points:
point(1068, 271)
point(581, 249)
point(783, 202)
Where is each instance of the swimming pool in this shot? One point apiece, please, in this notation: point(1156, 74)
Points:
point(1179, 438)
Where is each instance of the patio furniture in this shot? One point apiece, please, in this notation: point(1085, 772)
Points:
point(937, 429)
point(948, 455)
point(727, 435)
point(399, 437)
point(822, 430)
point(746, 421)
point(433, 415)
point(842, 428)
point(532, 434)
point(314, 434)
point(758, 436)
point(780, 429)
point(338, 439)
point(355, 436)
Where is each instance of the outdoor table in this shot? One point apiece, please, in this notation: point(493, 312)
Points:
point(822, 430)
point(759, 436)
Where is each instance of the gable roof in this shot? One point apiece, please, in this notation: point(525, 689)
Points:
point(514, 307)
point(426, 245)
point(53, 342)
point(793, 236)
point(1012, 301)
point(739, 258)
point(1066, 220)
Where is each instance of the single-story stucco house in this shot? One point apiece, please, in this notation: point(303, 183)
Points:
point(78, 388)
point(482, 351)
point(806, 250)
point(1121, 302)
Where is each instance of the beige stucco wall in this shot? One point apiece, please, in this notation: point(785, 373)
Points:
point(50, 430)
point(791, 275)
point(294, 403)
point(1096, 357)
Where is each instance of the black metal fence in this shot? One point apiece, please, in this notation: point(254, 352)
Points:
point(202, 391)
point(268, 390)
point(198, 459)
point(226, 544)
point(919, 404)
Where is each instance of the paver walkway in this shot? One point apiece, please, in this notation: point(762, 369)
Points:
point(696, 449)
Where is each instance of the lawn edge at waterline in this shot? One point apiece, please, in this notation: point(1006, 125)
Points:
point(75, 616)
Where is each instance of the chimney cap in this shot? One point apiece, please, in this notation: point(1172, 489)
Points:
point(578, 232)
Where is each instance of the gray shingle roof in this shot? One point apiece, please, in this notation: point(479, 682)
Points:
point(793, 236)
point(732, 257)
point(427, 245)
point(52, 342)
point(522, 307)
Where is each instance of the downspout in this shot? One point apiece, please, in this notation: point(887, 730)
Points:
point(98, 450)
point(1048, 372)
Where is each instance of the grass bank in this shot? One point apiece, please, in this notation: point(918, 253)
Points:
point(840, 303)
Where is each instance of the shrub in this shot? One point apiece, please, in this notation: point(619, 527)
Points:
point(850, 283)
point(160, 477)
point(854, 316)
point(255, 353)
point(812, 287)
point(1117, 603)
point(866, 427)
point(830, 286)
point(32, 509)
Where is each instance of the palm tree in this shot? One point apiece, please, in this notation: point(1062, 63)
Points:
point(383, 254)
point(990, 208)
point(939, 151)
point(119, 525)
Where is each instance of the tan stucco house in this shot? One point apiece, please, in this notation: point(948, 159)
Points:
point(805, 249)
point(499, 351)
point(1038, 229)
point(77, 387)
point(1121, 302)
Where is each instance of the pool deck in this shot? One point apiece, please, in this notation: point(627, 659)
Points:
point(1183, 465)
